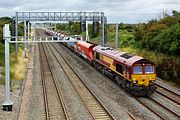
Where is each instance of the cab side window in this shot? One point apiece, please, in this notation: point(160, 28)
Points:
point(93, 54)
point(97, 55)
point(119, 68)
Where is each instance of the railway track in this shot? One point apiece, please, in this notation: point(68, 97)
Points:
point(94, 106)
point(149, 108)
point(54, 107)
point(166, 108)
point(131, 116)
point(167, 93)
point(171, 95)
point(157, 104)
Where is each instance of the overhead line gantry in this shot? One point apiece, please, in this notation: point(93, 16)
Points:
point(41, 16)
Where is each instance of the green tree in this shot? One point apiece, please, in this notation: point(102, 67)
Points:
point(75, 28)
point(159, 35)
point(168, 41)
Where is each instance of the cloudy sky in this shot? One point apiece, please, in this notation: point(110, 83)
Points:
point(128, 11)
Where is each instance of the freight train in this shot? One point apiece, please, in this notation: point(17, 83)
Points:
point(134, 74)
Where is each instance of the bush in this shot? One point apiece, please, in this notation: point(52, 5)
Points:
point(2, 62)
point(169, 69)
point(167, 41)
point(160, 36)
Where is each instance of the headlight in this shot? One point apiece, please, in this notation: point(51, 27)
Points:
point(152, 78)
point(135, 81)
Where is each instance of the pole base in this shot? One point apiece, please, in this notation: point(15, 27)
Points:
point(7, 107)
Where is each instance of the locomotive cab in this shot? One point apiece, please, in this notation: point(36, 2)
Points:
point(143, 73)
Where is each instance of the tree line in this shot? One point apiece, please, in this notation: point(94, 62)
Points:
point(161, 36)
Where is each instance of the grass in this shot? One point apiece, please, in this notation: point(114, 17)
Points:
point(124, 38)
point(155, 57)
point(2, 80)
point(2, 54)
point(2, 63)
point(17, 63)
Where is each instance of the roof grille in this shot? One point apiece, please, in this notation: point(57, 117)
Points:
point(107, 48)
point(127, 56)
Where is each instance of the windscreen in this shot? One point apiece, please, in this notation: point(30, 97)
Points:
point(149, 69)
point(137, 70)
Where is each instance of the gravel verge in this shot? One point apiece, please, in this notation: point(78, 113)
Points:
point(159, 109)
point(35, 108)
point(166, 85)
point(167, 103)
point(15, 95)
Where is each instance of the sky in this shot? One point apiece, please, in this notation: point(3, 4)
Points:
point(117, 11)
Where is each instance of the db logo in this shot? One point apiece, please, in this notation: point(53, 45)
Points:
point(143, 77)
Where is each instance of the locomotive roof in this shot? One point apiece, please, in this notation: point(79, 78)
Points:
point(85, 44)
point(118, 55)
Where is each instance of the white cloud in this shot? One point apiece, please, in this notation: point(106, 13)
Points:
point(116, 10)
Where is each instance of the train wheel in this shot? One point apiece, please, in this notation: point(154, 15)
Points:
point(96, 66)
point(103, 70)
point(123, 84)
point(113, 77)
point(118, 80)
point(128, 88)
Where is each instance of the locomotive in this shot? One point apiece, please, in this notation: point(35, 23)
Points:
point(134, 74)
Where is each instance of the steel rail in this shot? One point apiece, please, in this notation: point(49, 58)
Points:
point(56, 87)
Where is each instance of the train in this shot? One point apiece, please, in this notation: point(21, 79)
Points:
point(134, 74)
